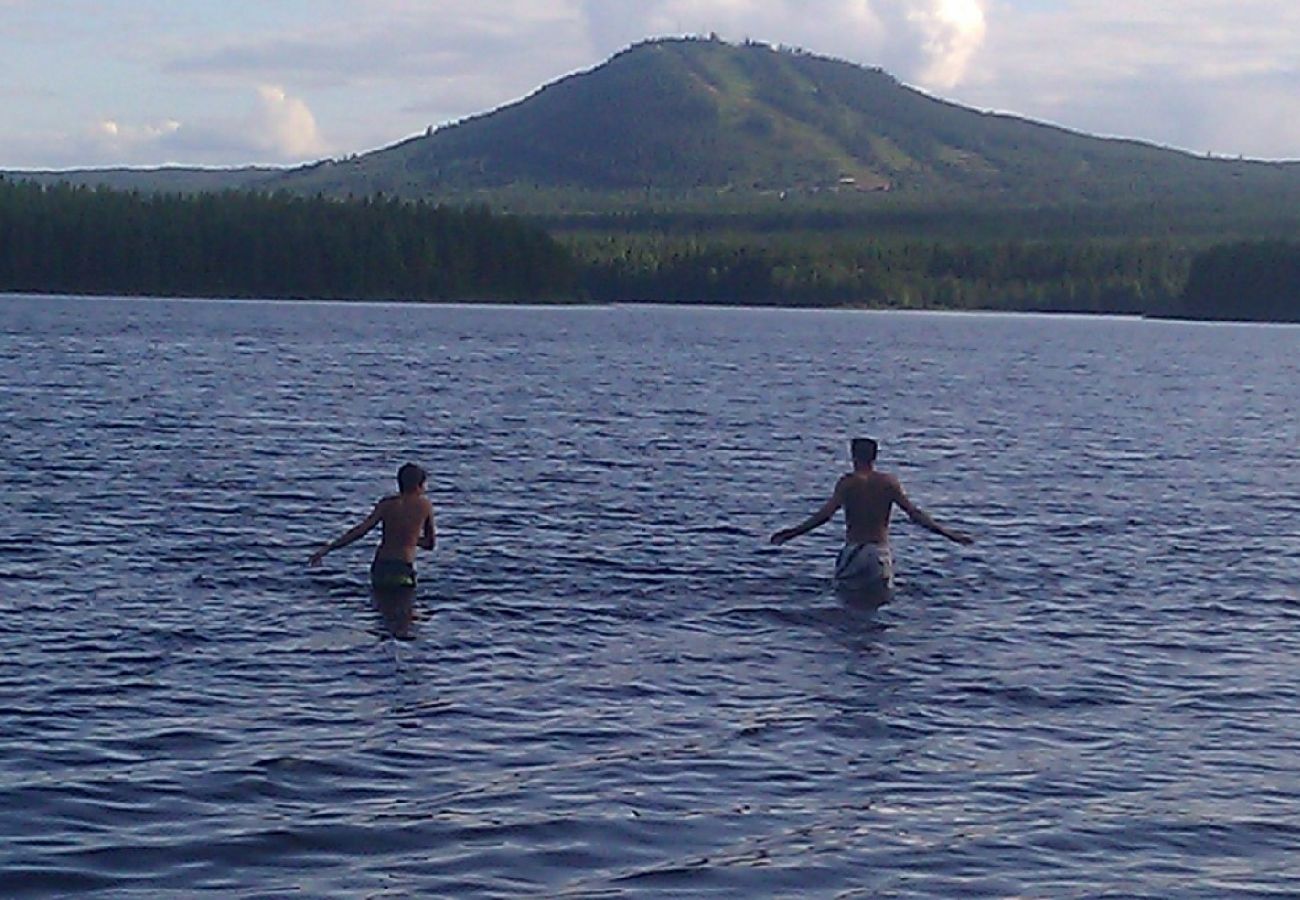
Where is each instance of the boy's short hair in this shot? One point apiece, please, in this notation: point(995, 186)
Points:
point(864, 450)
point(409, 477)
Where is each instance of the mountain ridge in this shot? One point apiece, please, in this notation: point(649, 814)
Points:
point(700, 115)
point(693, 119)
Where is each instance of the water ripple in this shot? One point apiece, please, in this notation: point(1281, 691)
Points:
point(609, 684)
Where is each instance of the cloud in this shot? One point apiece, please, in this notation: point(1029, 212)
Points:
point(448, 60)
point(927, 42)
point(125, 138)
point(1218, 75)
point(954, 30)
point(1205, 75)
point(383, 41)
point(285, 126)
point(279, 129)
point(437, 62)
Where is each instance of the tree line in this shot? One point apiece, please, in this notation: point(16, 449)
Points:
point(1245, 281)
point(806, 269)
point(237, 244)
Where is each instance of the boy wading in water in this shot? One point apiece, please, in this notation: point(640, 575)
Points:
point(865, 566)
point(407, 520)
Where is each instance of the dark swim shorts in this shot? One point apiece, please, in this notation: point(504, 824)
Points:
point(391, 574)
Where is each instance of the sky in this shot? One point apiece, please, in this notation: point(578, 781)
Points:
point(92, 83)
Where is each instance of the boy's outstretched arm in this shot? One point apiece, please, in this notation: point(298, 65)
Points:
point(922, 518)
point(354, 533)
point(817, 519)
point(429, 537)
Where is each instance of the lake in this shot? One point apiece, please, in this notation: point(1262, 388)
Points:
point(610, 683)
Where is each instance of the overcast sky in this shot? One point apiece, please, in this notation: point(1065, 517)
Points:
point(230, 82)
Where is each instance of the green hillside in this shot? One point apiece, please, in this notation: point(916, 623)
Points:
point(684, 118)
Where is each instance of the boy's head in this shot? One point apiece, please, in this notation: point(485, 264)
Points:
point(410, 477)
point(863, 450)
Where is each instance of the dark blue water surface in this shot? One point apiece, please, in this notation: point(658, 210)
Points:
point(611, 684)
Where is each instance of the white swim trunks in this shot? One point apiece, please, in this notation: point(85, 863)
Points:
point(862, 566)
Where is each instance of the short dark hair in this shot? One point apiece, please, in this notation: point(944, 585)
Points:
point(864, 450)
point(409, 477)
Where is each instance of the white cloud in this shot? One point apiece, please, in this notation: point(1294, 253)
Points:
point(279, 129)
point(927, 42)
point(954, 31)
point(128, 137)
point(285, 126)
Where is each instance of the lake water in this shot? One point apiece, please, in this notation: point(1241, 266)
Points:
point(611, 684)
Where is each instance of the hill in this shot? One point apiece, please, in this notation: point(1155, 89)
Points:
point(692, 125)
point(689, 117)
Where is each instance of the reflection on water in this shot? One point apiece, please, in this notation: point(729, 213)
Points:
point(396, 610)
point(608, 683)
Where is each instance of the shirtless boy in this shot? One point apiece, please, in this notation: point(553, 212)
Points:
point(868, 497)
point(407, 519)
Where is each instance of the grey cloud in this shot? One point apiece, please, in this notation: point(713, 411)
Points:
point(407, 47)
point(1256, 116)
point(419, 62)
point(1203, 75)
point(489, 53)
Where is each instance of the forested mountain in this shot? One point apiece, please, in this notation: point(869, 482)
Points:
point(692, 120)
point(706, 116)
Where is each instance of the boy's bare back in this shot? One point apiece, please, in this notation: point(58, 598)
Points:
point(868, 499)
point(403, 518)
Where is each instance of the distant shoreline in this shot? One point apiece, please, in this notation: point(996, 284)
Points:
point(594, 304)
point(1218, 320)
